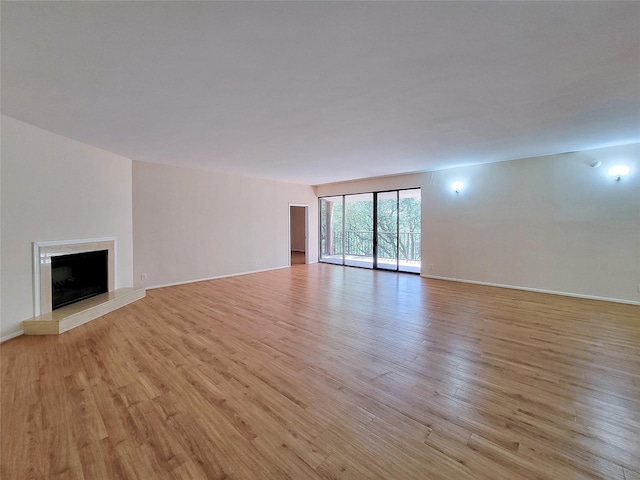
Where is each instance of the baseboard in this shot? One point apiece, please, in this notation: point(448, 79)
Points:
point(214, 278)
point(539, 290)
point(10, 336)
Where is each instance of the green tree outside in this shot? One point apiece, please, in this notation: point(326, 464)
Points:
point(358, 226)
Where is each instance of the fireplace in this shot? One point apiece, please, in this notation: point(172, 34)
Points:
point(70, 271)
point(74, 283)
point(78, 276)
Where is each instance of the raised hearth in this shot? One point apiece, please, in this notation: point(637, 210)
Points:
point(76, 314)
point(55, 265)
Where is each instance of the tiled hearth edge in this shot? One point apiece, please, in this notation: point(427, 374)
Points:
point(76, 314)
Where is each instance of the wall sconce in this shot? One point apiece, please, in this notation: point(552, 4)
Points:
point(618, 171)
point(457, 187)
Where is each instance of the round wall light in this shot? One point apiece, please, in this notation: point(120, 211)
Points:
point(457, 186)
point(618, 171)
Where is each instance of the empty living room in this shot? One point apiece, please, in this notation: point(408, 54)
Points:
point(320, 240)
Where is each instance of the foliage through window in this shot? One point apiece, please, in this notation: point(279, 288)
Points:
point(348, 237)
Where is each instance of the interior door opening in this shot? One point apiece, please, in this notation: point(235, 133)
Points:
point(298, 234)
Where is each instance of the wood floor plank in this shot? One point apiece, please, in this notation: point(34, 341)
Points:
point(324, 372)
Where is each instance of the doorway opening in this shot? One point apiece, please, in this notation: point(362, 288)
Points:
point(298, 234)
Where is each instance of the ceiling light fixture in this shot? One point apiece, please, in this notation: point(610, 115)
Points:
point(457, 187)
point(618, 171)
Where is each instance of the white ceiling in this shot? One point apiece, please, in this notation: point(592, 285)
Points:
point(315, 92)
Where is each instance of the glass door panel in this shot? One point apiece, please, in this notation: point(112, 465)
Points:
point(372, 230)
point(409, 234)
point(331, 230)
point(358, 230)
point(387, 230)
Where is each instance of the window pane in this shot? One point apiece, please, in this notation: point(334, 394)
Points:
point(358, 234)
point(331, 230)
point(387, 230)
point(409, 235)
point(348, 236)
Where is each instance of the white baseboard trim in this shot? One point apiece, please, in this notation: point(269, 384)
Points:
point(530, 289)
point(214, 278)
point(10, 336)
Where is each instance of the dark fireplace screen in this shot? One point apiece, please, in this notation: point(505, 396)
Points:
point(78, 276)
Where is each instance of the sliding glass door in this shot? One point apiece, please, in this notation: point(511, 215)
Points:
point(331, 229)
point(409, 230)
point(358, 230)
point(372, 230)
point(387, 230)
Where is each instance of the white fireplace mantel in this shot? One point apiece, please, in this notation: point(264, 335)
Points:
point(48, 322)
point(44, 251)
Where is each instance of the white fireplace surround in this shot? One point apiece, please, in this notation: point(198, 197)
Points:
point(42, 253)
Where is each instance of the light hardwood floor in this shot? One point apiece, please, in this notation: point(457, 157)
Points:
point(297, 258)
point(324, 372)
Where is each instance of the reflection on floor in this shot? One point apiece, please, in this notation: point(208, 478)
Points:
point(317, 372)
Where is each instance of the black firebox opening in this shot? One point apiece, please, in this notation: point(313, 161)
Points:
point(78, 276)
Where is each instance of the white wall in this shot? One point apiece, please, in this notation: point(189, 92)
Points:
point(550, 223)
point(193, 224)
point(54, 188)
point(1, 122)
point(297, 229)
